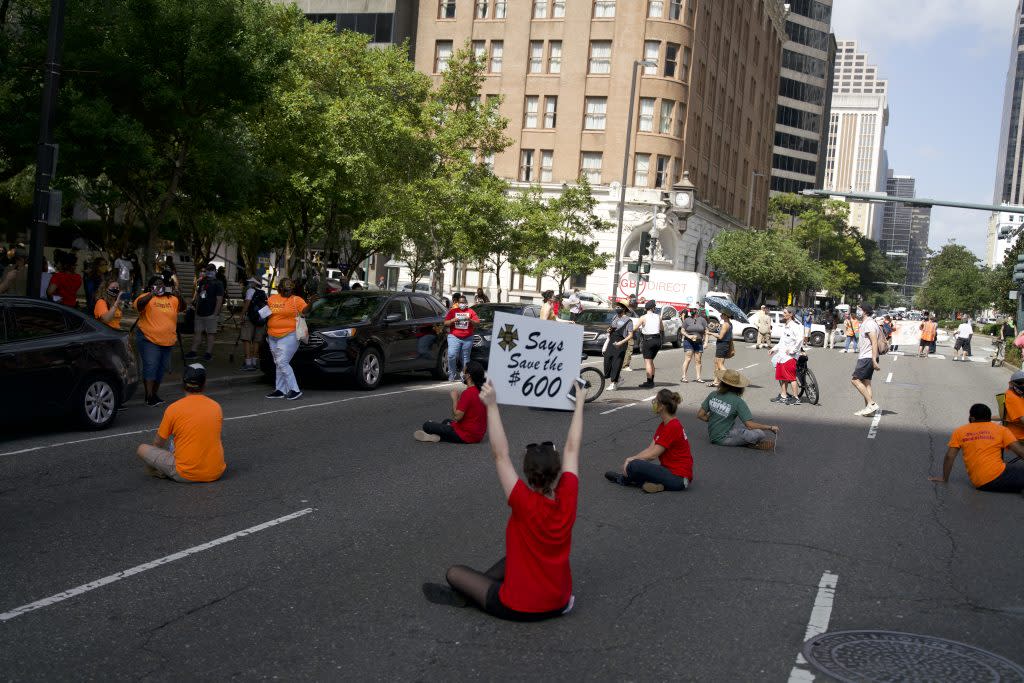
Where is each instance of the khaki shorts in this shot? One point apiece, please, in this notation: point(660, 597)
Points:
point(252, 333)
point(163, 462)
point(207, 324)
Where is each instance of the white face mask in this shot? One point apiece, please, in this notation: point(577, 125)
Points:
point(860, 313)
point(463, 306)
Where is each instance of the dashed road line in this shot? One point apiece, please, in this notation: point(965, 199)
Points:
point(875, 421)
point(750, 366)
point(821, 614)
point(628, 405)
point(138, 569)
point(888, 380)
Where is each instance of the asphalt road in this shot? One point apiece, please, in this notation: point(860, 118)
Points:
point(715, 583)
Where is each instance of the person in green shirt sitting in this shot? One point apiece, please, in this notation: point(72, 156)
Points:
point(720, 410)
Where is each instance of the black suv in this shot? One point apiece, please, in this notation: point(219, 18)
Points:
point(55, 360)
point(368, 333)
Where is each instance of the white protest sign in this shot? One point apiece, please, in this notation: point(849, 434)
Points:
point(533, 362)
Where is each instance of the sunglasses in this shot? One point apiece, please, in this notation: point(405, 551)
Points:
point(542, 444)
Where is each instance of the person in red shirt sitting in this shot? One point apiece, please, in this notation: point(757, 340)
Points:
point(670, 446)
point(460, 321)
point(469, 417)
point(533, 581)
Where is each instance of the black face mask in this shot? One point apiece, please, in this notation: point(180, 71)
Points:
point(113, 292)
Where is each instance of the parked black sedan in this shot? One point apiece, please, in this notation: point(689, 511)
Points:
point(482, 338)
point(55, 360)
point(368, 333)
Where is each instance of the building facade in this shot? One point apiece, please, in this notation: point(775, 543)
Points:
point(856, 158)
point(705, 104)
point(904, 235)
point(387, 22)
point(805, 97)
point(1009, 183)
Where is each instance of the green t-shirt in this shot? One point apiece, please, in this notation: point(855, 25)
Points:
point(723, 409)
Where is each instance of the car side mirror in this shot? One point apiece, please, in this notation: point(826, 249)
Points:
point(393, 318)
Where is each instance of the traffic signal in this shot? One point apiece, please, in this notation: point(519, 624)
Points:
point(1004, 232)
point(711, 274)
point(645, 244)
point(645, 267)
point(1018, 270)
point(633, 267)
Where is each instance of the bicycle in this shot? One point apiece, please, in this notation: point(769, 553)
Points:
point(999, 355)
point(807, 381)
point(593, 380)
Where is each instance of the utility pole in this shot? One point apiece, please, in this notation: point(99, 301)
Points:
point(43, 205)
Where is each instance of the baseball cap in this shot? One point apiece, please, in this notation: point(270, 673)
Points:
point(194, 376)
point(1017, 376)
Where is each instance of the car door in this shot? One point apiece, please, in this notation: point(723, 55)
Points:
point(39, 356)
point(397, 333)
point(777, 324)
point(425, 319)
point(670, 317)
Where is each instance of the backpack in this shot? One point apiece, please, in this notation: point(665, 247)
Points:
point(257, 302)
point(883, 345)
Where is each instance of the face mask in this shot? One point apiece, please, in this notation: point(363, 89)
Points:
point(113, 292)
point(463, 306)
point(158, 290)
point(860, 313)
point(655, 408)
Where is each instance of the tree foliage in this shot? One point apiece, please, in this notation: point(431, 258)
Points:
point(770, 260)
point(955, 283)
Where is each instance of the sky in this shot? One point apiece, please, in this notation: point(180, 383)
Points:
point(946, 63)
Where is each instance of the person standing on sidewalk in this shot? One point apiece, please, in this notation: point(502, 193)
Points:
point(620, 331)
point(850, 328)
point(653, 328)
point(784, 356)
point(867, 361)
point(106, 308)
point(929, 331)
point(461, 321)
point(207, 302)
point(158, 331)
point(254, 325)
point(285, 308)
point(963, 340)
point(694, 329)
point(764, 328)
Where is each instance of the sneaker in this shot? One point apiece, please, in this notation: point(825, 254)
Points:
point(276, 393)
point(613, 386)
point(191, 354)
point(651, 487)
point(421, 435)
point(627, 369)
point(765, 445)
point(293, 395)
point(648, 384)
point(154, 401)
point(443, 595)
point(871, 410)
point(207, 356)
point(779, 399)
point(615, 477)
point(863, 411)
point(572, 603)
point(792, 401)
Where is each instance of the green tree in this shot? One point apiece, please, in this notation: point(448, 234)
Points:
point(1001, 279)
point(955, 283)
point(769, 260)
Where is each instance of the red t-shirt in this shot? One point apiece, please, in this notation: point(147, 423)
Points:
point(537, 544)
point(67, 286)
point(465, 321)
point(473, 425)
point(677, 458)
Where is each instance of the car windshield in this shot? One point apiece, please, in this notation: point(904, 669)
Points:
point(595, 316)
point(486, 313)
point(722, 305)
point(347, 308)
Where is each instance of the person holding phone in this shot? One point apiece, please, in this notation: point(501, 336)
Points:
point(158, 331)
point(460, 321)
point(107, 310)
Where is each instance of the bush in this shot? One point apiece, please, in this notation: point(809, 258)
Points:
point(1013, 354)
point(991, 330)
point(949, 324)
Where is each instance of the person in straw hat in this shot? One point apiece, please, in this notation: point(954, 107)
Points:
point(721, 408)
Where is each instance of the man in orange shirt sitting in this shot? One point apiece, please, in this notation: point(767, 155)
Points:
point(982, 442)
point(1013, 409)
point(187, 447)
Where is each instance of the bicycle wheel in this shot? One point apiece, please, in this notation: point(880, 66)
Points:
point(809, 387)
point(595, 383)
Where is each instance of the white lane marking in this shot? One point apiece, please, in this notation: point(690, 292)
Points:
point(888, 380)
point(873, 429)
point(649, 398)
point(628, 405)
point(304, 406)
point(750, 366)
point(821, 614)
point(138, 569)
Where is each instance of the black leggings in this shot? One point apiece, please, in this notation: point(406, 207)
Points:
point(443, 430)
point(483, 590)
point(613, 360)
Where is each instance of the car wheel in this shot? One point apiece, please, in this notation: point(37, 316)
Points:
point(370, 369)
point(817, 339)
point(96, 403)
point(440, 370)
point(750, 336)
point(678, 341)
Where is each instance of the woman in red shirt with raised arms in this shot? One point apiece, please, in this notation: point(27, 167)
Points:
point(533, 581)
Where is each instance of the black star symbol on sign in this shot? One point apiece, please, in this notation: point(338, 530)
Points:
point(508, 337)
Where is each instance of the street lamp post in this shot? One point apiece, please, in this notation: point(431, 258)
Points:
point(625, 172)
point(750, 196)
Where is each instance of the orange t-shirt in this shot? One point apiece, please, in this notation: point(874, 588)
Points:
point(195, 423)
point(159, 320)
point(982, 444)
point(101, 308)
point(928, 331)
point(1014, 412)
point(283, 311)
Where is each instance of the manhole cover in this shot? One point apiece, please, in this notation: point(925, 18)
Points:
point(891, 656)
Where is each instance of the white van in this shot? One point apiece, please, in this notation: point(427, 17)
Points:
point(677, 288)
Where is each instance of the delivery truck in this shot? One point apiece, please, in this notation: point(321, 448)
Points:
point(677, 288)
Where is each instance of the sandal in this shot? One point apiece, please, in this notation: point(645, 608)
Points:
point(699, 380)
point(685, 381)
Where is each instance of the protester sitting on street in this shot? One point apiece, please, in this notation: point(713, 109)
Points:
point(784, 358)
point(723, 344)
point(461, 322)
point(534, 580)
point(653, 329)
point(468, 422)
point(188, 444)
point(254, 324)
point(620, 331)
point(962, 347)
point(670, 447)
point(65, 283)
point(720, 410)
point(207, 302)
point(929, 331)
point(694, 329)
point(1013, 405)
point(158, 331)
point(982, 442)
point(107, 310)
point(285, 308)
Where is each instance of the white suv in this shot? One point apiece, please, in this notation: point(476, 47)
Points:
point(818, 331)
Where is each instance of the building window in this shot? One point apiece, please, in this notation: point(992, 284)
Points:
point(675, 8)
point(690, 12)
point(665, 124)
point(530, 111)
point(550, 111)
point(480, 51)
point(661, 172)
point(489, 162)
point(652, 48)
point(645, 122)
point(481, 9)
point(446, 9)
point(500, 8)
point(442, 55)
point(641, 167)
point(547, 161)
point(536, 56)
point(558, 9)
point(671, 59)
point(600, 57)
point(597, 110)
point(555, 57)
point(604, 9)
point(591, 167)
point(540, 9)
point(655, 9)
point(497, 50)
point(526, 166)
